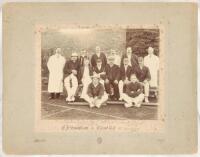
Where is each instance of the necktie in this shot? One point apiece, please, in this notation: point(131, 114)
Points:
point(70, 82)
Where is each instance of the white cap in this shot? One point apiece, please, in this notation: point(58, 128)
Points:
point(74, 54)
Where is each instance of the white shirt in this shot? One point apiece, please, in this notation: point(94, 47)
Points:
point(125, 67)
point(98, 54)
point(129, 58)
point(86, 73)
point(117, 59)
point(152, 62)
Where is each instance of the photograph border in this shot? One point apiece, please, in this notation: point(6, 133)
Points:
point(99, 125)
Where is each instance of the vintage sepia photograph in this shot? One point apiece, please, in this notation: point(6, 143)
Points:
point(99, 78)
point(101, 73)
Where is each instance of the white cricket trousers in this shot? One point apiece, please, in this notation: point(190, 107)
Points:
point(121, 87)
point(71, 85)
point(129, 100)
point(98, 103)
point(85, 83)
point(146, 88)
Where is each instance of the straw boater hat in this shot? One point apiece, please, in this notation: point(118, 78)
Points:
point(74, 54)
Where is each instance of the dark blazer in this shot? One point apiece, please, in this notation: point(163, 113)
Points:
point(81, 60)
point(134, 60)
point(127, 73)
point(95, 57)
point(133, 89)
point(69, 66)
point(102, 69)
point(112, 73)
point(142, 74)
point(81, 71)
point(97, 91)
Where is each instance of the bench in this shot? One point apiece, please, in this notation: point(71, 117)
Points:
point(82, 103)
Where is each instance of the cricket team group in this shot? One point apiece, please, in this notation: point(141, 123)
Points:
point(103, 77)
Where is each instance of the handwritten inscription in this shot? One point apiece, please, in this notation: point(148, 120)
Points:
point(98, 127)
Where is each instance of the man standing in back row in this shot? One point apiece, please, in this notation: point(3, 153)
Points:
point(55, 66)
point(152, 62)
point(132, 58)
point(112, 79)
point(116, 57)
point(98, 55)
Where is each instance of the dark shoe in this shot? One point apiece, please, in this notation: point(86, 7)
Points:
point(110, 98)
point(50, 98)
point(57, 95)
point(115, 99)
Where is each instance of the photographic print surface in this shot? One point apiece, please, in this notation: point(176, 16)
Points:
point(99, 78)
point(44, 114)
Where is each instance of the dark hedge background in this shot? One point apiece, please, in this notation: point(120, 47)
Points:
point(141, 39)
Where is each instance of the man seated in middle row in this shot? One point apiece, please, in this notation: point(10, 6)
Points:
point(143, 75)
point(84, 75)
point(71, 81)
point(112, 79)
point(100, 70)
point(125, 73)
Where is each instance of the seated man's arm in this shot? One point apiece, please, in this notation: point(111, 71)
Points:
point(139, 90)
point(101, 92)
point(129, 92)
point(89, 91)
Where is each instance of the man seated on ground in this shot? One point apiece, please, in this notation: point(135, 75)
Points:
point(71, 82)
point(125, 72)
point(133, 95)
point(143, 75)
point(112, 79)
point(100, 70)
point(96, 95)
point(84, 75)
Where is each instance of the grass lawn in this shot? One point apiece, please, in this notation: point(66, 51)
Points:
point(58, 109)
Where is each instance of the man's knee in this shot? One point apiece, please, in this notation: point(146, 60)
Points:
point(146, 84)
point(105, 96)
point(141, 96)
